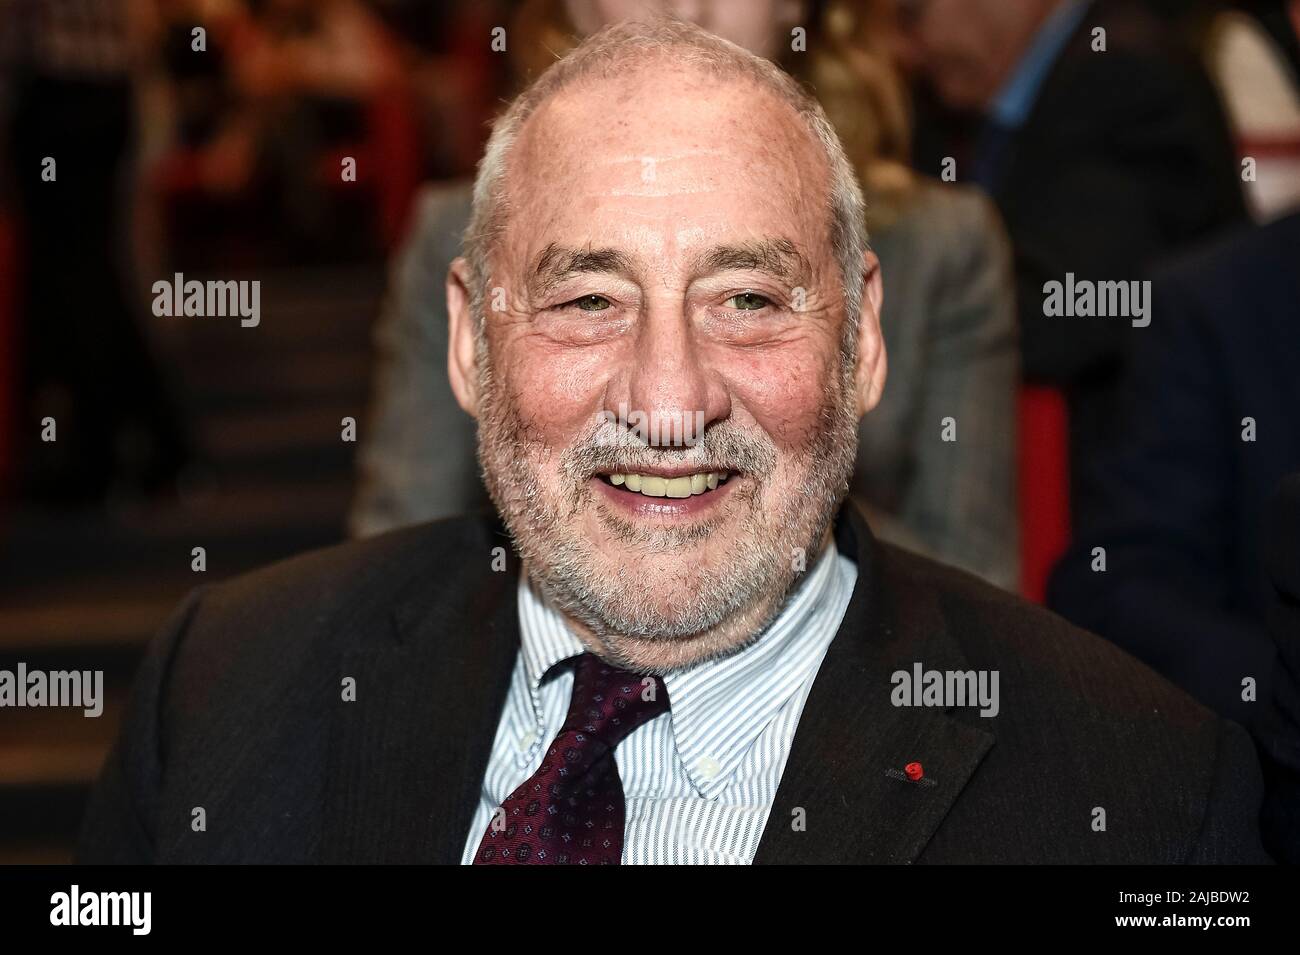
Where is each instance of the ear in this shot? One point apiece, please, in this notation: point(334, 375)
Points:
point(869, 376)
point(462, 355)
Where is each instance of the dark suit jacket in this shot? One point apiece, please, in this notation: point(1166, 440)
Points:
point(238, 710)
point(1279, 733)
point(1180, 502)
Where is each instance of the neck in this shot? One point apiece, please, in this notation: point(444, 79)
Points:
point(663, 655)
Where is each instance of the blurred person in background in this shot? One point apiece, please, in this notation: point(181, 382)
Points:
point(1181, 497)
point(203, 100)
point(282, 83)
point(1100, 161)
point(948, 324)
point(453, 74)
point(70, 71)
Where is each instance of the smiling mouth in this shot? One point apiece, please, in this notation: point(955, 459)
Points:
point(678, 486)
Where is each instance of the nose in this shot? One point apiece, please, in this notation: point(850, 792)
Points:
point(668, 381)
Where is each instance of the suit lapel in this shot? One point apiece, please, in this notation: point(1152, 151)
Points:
point(844, 779)
point(408, 756)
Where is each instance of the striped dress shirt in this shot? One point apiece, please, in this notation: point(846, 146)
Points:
point(699, 780)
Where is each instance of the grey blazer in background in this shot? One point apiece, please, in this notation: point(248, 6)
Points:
point(949, 326)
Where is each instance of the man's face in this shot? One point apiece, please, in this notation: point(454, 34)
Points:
point(667, 255)
point(966, 48)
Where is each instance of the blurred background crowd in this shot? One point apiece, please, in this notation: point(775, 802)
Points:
point(1128, 475)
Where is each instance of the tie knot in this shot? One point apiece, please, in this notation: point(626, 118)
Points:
point(609, 703)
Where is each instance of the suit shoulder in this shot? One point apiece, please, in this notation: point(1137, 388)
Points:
point(1231, 263)
point(949, 237)
point(958, 218)
point(339, 595)
point(440, 213)
point(1081, 726)
point(1043, 658)
point(1142, 71)
point(440, 206)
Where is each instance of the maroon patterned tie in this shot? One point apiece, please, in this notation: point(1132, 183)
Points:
point(570, 812)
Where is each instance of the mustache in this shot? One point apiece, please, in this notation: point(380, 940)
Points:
point(724, 446)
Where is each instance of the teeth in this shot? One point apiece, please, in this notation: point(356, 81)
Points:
point(679, 487)
point(653, 486)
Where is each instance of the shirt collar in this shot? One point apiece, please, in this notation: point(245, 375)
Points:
point(545, 638)
point(718, 707)
point(1010, 107)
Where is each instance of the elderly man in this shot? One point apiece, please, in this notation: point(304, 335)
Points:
point(690, 653)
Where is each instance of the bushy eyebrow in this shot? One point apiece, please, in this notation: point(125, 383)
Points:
point(779, 258)
point(559, 262)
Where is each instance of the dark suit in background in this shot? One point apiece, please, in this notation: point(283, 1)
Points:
point(1279, 735)
point(1122, 156)
point(1180, 502)
point(239, 710)
point(87, 360)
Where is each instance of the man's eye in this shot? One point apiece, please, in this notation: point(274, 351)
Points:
point(748, 301)
point(590, 303)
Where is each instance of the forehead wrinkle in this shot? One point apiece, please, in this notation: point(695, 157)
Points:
point(575, 114)
point(546, 170)
point(657, 175)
